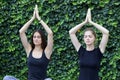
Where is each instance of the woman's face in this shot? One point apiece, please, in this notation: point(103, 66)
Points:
point(89, 38)
point(37, 38)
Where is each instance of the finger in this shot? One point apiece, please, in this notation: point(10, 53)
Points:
point(34, 11)
point(86, 15)
point(36, 6)
point(89, 12)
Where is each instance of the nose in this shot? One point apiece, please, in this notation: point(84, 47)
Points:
point(87, 38)
point(35, 38)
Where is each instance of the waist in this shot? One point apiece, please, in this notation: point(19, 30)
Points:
point(36, 75)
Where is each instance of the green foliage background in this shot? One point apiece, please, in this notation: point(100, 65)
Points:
point(61, 16)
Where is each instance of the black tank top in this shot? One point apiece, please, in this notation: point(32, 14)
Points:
point(89, 63)
point(37, 67)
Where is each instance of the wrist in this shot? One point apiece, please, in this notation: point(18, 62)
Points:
point(85, 22)
point(91, 22)
point(40, 20)
point(31, 19)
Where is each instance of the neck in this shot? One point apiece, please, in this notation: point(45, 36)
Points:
point(90, 47)
point(38, 48)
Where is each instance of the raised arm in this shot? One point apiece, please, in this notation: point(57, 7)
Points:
point(48, 49)
point(23, 36)
point(72, 33)
point(105, 32)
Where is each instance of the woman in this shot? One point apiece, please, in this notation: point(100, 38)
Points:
point(39, 51)
point(90, 56)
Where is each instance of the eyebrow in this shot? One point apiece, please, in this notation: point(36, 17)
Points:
point(87, 35)
point(37, 36)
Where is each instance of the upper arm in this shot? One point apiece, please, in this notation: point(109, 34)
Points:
point(103, 42)
point(25, 43)
point(75, 41)
point(49, 47)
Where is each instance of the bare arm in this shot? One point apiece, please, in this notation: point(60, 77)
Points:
point(105, 33)
point(23, 36)
point(72, 33)
point(73, 36)
point(49, 47)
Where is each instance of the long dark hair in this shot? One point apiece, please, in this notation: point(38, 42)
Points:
point(43, 44)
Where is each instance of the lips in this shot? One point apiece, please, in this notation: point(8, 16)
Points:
point(87, 41)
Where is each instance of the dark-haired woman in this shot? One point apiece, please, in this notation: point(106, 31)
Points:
point(39, 51)
point(89, 57)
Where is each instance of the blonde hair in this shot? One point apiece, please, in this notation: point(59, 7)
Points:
point(90, 29)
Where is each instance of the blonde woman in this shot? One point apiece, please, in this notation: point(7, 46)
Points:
point(89, 57)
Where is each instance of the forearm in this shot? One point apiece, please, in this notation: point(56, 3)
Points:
point(76, 28)
point(45, 26)
point(99, 27)
point(25, 27)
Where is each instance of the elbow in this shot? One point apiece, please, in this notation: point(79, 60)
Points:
point(107, 32)
point(70, 32)
point(51, 33)
point(20, 31)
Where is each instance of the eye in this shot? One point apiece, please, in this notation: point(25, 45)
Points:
point(38, 36)
point(90, 36)
point(34, 36)
point(85, 36)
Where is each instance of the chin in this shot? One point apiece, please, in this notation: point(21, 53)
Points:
point(37, 44)
point(88, 44)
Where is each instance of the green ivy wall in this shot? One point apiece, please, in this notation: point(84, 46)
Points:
point(61, 16)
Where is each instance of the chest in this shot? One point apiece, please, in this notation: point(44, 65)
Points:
point(90, 60)
point(37, 54)
point(40, 61)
